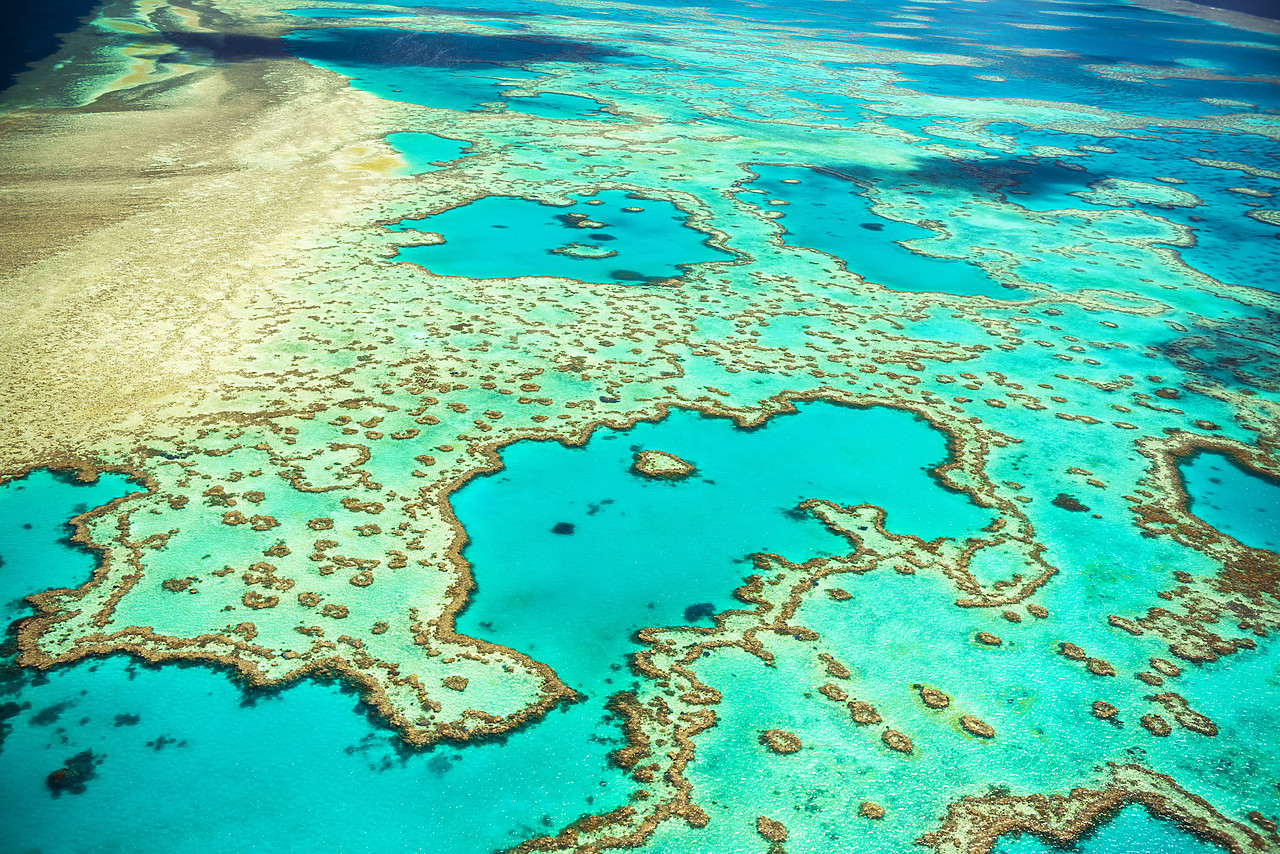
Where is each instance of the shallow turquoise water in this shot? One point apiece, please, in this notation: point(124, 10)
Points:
point(499, 236)
point(832, 214)
point(1131, 831)
point(644, 552)
point(426, 152)
point(34, 513)
point(317, 757)
point(1236, 502)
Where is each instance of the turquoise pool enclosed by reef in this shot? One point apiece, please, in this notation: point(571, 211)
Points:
point(610, 236)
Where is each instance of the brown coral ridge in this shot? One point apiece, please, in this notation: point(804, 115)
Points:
point(1245, 594)
point(625, 827)
point(897, 742)
point(932, 697)
point(974, 824)
point(1104, 711)
point(626, 707)
point(977, 727)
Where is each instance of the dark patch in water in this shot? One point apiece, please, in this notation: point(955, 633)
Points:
point(385, 46)
point(1261, 8)
point(9, 710)
point(1069, 502)
point(873, 226)
point(127, 720)
point(74, 774)
point(51, 714)
point(30, 32)
point(593, 509)
point(564, 528)
point(439, 765)
point(216, 47)
point(699, 611)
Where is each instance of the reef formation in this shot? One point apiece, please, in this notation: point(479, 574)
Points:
point(1062, 263)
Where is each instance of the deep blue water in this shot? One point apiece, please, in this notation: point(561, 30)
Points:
point(31, 32)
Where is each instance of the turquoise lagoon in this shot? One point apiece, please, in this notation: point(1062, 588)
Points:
point(611, 236)
point(1234, 500)
point(828, 212)
point(570, 537)
point(426, 152)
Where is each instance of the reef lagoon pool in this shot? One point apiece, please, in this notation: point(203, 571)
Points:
point(611, 236)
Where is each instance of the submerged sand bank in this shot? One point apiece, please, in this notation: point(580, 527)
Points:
point(148, 235)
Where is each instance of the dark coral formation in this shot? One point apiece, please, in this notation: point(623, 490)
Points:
point(1104, 710)
point(1156, 725)
point(74, 775)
